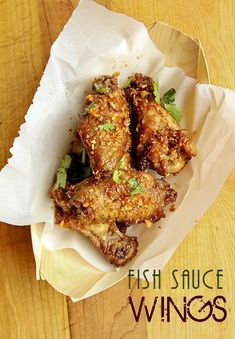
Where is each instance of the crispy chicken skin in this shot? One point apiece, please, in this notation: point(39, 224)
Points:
point(160, 143)
point(105, 129)
point(103, 201)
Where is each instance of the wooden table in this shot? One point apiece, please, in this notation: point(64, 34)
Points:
point(32, 309)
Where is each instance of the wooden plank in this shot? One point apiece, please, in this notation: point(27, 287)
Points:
point(29, 309)
point(106, 315)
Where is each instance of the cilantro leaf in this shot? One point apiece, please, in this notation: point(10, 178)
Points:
point(135, 186)
point(101, 90)
point(136, 190)
point(87, 109)
point(90, 106)
point(168, 100)
point(108, 126)
point(133, 182)
point(116, 176)
point(127, 83)
point(171, 108)
point(118, 171)
point(156, 91)
point(61, 173)
point(120, 163)
point(169, 96)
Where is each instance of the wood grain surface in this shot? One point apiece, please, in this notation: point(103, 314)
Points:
point(31, 309)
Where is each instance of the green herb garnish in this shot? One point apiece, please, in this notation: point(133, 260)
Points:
point(90, 106)
point(136, 190)
point(156, 91)
point(118, 171)
point(168, 100)
point(116, 176)
point(169, 96)
point(135, 186)
point(173, 111)
point(87, 108)
point(127, 83)
point(101, 90)
point(61, 173)
point(108, 126)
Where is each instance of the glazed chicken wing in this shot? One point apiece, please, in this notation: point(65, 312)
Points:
point(136, 198)
point(116, 194)
point(160, 142)
point(94, 207)
point(105, 129)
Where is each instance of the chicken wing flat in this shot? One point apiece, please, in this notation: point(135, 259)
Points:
point(138, 197)
point(94, 207)
point(105, 129)
point(160, 142)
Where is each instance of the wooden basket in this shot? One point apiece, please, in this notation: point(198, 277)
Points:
point(65, 269)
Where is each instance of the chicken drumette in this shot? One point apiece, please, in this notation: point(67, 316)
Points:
point(95, 206)
point(160, 143)
point(105, 129)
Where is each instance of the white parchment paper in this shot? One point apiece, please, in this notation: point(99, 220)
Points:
point(96, 41)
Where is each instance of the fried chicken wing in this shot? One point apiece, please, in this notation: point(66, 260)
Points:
point(160, 142)
point(116, 195)
point(138, 197)
point(93, 207)
point(105, 129)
